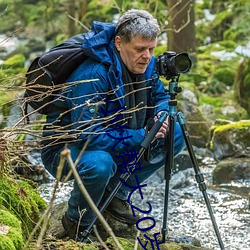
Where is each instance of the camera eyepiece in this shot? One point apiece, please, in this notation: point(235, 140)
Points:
point(170, 64)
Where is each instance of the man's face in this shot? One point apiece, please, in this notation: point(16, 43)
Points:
point(136, 54)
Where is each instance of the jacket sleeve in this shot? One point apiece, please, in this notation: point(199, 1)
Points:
point(88, 122)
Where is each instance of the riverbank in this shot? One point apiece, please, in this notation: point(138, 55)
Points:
point(188, 216)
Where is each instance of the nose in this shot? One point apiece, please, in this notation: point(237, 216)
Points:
point(146, 54)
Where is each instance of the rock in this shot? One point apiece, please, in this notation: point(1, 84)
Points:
point(189, 96)
point(181, 179)
point(197, 125)
point(232, 139)
point(231, 169)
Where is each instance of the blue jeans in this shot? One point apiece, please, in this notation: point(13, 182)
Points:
point(99, 170)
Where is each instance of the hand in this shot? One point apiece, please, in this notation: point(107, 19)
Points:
point(163, 129)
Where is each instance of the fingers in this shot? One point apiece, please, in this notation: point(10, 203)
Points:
point(163, 130)
point(159, 135)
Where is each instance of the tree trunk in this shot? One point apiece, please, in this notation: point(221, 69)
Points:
point(83, 7)
point(71, 6)
point(181, 27)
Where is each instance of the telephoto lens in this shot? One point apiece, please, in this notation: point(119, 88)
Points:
point(170, 64)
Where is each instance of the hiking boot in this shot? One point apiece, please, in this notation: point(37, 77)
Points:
point(121, 211)
point(74, 231)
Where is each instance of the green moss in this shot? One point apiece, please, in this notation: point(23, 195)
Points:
point(16, 237)
point(13, 71)
point(6, 96)
point(9, 219)
point(21, 199)
point(228, 45)
point(242, 84)
point(13, 239)
point(235, 125)
point(225, 75)
point(91, 247)
point(6, 243)
point(219, 102)
point(212, 100)
point(16, 61)
point(239, 128)
point(125, 243)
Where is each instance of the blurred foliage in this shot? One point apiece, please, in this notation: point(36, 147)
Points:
point(242, 84)
point(221, 27)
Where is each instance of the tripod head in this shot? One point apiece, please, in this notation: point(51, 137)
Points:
point(174, 89)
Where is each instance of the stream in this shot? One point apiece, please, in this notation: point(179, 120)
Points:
point(187, 212)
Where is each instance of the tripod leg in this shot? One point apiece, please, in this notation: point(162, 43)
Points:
point(199, 176)
point(168, 173)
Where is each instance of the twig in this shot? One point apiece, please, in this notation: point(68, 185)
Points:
point(66, 154)
point(99, 238)
point(136, 241)
point(77, 21)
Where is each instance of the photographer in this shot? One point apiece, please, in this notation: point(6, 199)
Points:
point(109, 115)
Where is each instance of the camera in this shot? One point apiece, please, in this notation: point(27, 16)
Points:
point(171, 65)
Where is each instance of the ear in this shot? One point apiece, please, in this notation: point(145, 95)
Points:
point(118, 42)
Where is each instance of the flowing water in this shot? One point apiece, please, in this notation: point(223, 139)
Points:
point(187, 212)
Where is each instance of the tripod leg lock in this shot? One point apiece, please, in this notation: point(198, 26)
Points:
point(200, 180)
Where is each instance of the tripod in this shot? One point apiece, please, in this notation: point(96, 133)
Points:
point(169, 163)
point(173, 90)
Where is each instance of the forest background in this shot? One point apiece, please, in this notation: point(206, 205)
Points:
point(214, 33)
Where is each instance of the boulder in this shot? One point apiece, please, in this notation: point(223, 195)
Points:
point(197, 125)
point(230, 143)
point(231, 169)
point(230, 140)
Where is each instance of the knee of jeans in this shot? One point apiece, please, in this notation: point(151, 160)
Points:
point(99, 166)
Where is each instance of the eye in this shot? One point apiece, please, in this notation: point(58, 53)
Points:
point(151, 50)
point(140, 49)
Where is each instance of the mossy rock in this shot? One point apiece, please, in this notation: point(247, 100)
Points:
point(219, 107)
point(11, 237)
point(129, 245)
point(232, 139)
point(21, 199)
point(224, 75)
point(242, 85)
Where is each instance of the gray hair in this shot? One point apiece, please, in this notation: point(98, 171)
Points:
point(137, 22)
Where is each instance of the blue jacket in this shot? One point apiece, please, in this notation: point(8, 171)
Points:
point(90, 116)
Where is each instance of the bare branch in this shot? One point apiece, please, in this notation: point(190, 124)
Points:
point(66, 154)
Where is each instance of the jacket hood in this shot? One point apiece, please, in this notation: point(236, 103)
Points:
point(98, 43)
